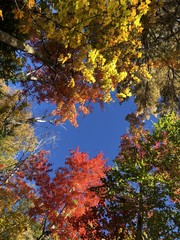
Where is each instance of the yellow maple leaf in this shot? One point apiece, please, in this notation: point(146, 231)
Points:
point(18, 14)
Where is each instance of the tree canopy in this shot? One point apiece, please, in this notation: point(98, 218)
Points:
point(72, 54)
point(140, 197)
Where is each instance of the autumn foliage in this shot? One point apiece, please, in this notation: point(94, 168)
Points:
point(57, 200)
point(141, 191)
point(71, 54)
point(79, 51)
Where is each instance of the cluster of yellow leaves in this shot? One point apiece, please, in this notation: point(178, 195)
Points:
point(124, 94)
point(15, 134)
point(109, 78)
point(97, 40)
point(19, 12)
point(13, 223)
point(15, 203)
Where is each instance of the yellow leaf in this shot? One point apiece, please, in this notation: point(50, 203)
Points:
point(31, 3)
point(139, 54)
point(134, 2)
point(89, 75)
point(133, 12)
point(148, 1)
point(18, 14)
point(137, 21)
point(1, 14)
point(71, 83)
point(63, 58)
point(127, 92)
point(122, 76)
point(121, 95)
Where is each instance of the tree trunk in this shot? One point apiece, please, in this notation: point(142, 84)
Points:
point(139, 228)
point(14, 42)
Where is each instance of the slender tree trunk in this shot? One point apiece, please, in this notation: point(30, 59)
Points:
point(140, 216)
point(16, 43)
point(13, 42)
point(139, 228)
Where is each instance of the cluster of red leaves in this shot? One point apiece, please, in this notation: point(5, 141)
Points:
point(61, 199)
point(53, 84)
point(140, 143)
point(68, 195)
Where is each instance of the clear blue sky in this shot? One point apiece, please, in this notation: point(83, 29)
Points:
point(97, 132)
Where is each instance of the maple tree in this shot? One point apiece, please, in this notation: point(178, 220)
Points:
point(53, 203)
point(71, 54)
point(140, 197)
point(79, 51)
point(66, 197)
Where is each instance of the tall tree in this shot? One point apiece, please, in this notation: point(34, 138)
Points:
point(37, 203)
point(16, 134)
point(66, 197)
point(79, 50)
point(17, 141)
point(76, 52)
point(141, 191)
point(161, 43)
point(16, 199)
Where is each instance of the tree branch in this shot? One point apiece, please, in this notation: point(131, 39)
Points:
point(14, 42)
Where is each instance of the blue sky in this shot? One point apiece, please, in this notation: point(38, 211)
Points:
point(98, 132)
